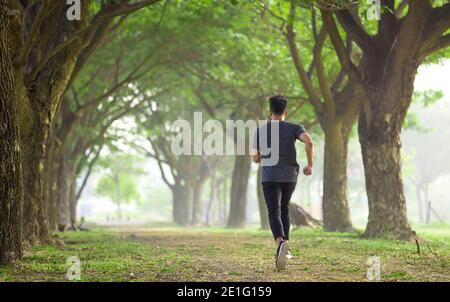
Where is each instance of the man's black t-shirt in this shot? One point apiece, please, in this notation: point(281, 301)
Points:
point(287, 168)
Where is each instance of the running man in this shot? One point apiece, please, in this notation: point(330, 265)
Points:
point(279, 179)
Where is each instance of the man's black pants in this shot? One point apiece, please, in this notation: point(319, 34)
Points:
point(278, 196)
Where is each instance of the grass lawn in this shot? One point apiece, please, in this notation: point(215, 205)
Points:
point(212, 254)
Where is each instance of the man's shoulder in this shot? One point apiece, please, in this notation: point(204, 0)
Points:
point(284, 124)
point(293, 125)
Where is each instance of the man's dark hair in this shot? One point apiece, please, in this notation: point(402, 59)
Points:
point(277, 104)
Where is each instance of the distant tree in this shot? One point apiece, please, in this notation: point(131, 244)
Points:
point(119, 184)
point(428, 158)
point(230, 72)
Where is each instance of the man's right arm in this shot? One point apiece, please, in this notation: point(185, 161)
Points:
point(256, 156)
point(309, 149)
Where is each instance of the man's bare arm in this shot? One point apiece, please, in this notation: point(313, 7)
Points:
point(309, 149)
point(256, 156)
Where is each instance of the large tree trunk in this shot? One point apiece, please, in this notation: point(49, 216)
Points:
point(51, 167)
point(65, 178)
point(197, 183)
point(60, 168)
point(224, 205)
point(11, 186)
point(390, 63)
point(337, 111)
point(419, 202)
point(73, 201)
point(222, 201)
point(212, 199)
point(381, 146)
point(53, 192)
point(35, 212)
point(119, 210)
point(197, 203)
point(379, 136)
point(39, 95)
point(336, 212)
point(427, 203)
point(180, 201)
point(238, 201)
point(263, 213)
point(47, 170)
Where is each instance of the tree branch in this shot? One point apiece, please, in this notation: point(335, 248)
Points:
point(442, 43)
point(199, 93)
point(341, 51)
point(115, 10)
point(341, 75)
point(88, 173)
point(438, 22)
point(128, 79)
point(309, 88)
point(51, 54)
point(32, 35)
point(159, 161)
point(355, 30)
point(345, 60)
point(323, 83)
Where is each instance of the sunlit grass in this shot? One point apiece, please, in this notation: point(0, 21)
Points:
point(152, 253)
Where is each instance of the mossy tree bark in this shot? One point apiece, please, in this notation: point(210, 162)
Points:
point(11, 185)
point(336, 211)
point(66, 178)
point(42, 72)
point(389, 63)
point(46, 47)
point(51, 169)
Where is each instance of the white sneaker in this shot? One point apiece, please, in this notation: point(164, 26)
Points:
point(282, 259)
point(289, 255)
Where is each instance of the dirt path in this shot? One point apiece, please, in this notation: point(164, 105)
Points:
point(135, 253)
point(217, 255)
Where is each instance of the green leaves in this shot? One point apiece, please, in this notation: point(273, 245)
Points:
point(119, 182)
point(427, 97)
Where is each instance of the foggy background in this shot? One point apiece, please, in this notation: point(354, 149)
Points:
point(426, 171)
